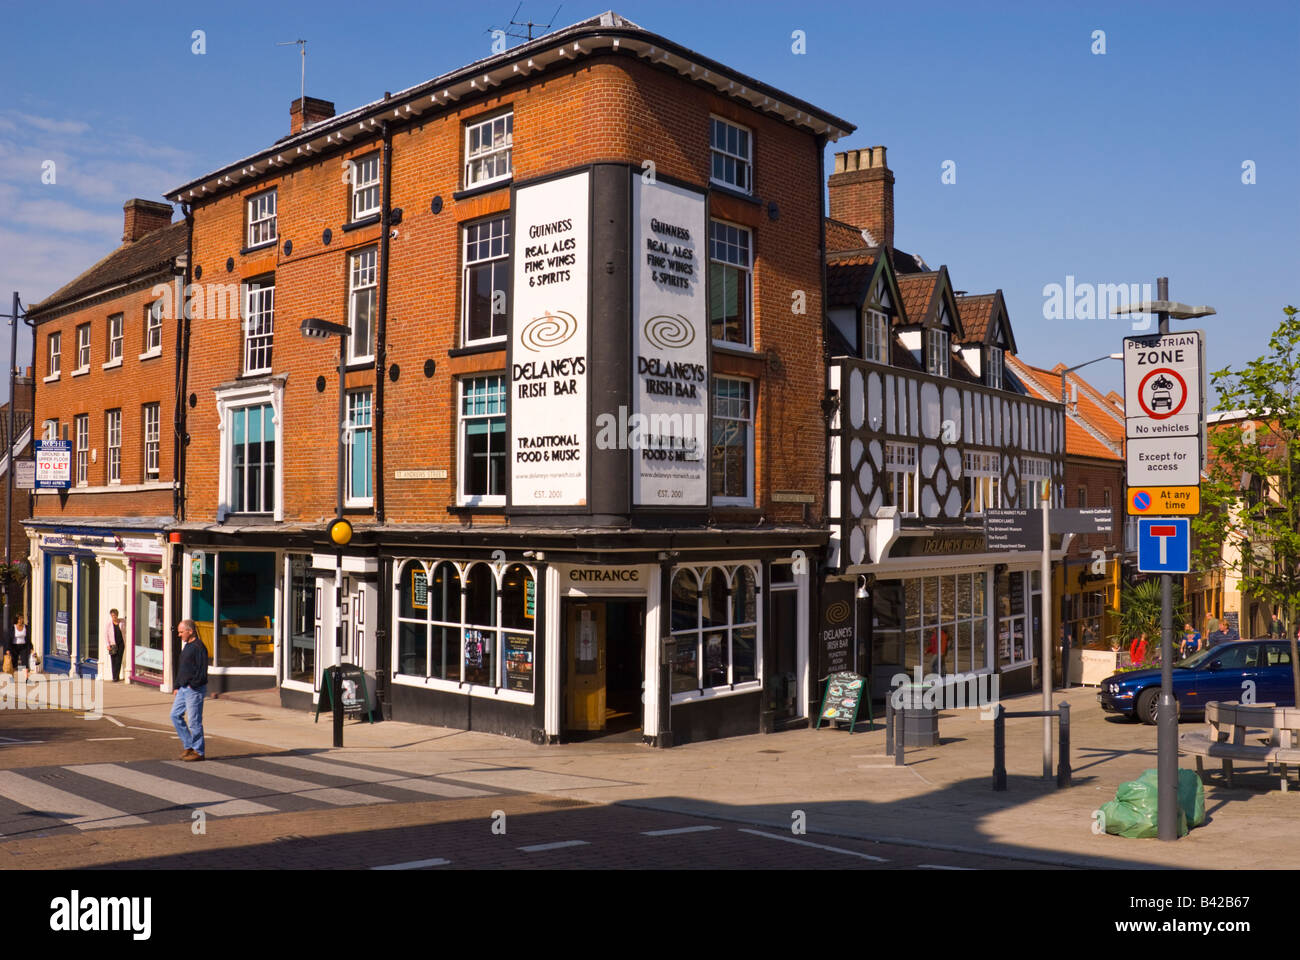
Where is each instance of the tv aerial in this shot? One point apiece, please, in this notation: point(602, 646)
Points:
point(526, 25)
point(302, 48)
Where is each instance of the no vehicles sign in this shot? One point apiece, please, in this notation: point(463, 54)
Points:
point(1162, 385)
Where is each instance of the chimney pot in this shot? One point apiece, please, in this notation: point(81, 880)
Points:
point(141, 217)
point(305, 111)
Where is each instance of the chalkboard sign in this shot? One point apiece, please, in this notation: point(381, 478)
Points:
point(843, 698)
point(1232, 620)
point(519, 662)
point(356, 698)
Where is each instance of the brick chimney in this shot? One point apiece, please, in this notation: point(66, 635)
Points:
point(305, 111)
point(143, 216)
point(862, 193)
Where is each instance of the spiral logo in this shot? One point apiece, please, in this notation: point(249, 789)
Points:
point(838, 612)
point(549, 330)
point(670, 332)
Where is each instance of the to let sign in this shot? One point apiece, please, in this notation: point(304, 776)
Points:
point(53, 464)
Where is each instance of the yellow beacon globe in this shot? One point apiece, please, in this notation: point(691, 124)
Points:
point(340, 532)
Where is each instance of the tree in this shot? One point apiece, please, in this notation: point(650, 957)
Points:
point(1250, 506)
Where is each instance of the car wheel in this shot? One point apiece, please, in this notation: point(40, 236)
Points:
point(1148, 706)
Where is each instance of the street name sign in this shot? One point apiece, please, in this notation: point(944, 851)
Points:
point(1081, 520)
point(1164, 501)
point(1164, 545)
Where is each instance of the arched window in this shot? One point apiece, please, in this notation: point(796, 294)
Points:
point(715, 637)
point(480, 619)
point(518, 598)
point(518, 615)
point(444, 612)
point(412, 617)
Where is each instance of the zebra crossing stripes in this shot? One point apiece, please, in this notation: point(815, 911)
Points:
point(371, 775)
point(77, 811)
point(172, 791)
point(278, 784)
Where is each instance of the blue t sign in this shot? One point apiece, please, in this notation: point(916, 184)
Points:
point(1164, 544)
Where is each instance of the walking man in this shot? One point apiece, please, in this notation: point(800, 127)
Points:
point(191, 688)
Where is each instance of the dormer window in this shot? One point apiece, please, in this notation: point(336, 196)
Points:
point(936, 355)
point(875, 336)
point(993, 370)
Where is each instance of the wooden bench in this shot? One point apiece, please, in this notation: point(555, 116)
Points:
point(1227, 727)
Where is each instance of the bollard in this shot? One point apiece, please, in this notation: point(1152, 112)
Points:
point(999, 748)
point(889, 726)
point(1063, 765)
point(900, 739)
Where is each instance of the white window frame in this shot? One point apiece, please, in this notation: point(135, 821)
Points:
point(246, 395)
point(498, 251)
point(366, 196)
point(699, 631)
point(498, 157)
point(278, 465)
point(875, 336)
point(901, 461)
point(750, 397)
point(54, 354)
point(743, 163)
point(258, 346)
point(83, 347)
point(363, 281)
point(113, 429)
point(994, 376)
point(937, 355)
point(82, 431)
point(1034, 472)
point(353, 428)
point(116, 340)
point(152, 330)
point(462, 455)
point(151, 415)
point(263, 228)
point(724, 245)
point(983, 470)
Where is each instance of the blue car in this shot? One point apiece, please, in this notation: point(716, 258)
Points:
point(1219, 673)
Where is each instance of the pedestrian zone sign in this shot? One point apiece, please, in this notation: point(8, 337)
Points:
point(1164, 545)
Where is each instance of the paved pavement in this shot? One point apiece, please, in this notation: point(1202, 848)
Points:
point(840, 785)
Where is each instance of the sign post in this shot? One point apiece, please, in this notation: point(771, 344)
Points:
point(1164, 409)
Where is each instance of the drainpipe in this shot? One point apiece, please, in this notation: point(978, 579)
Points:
point(179, 415)
point(383, 666)
point(817, 570)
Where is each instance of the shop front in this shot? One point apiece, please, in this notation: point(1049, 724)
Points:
point(1087, 605)
point(233, 597)
point(83, 574)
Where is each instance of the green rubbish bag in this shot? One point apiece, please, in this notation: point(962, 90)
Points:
point(1135, 811)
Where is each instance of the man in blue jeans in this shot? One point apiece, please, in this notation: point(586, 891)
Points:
point(191, 688)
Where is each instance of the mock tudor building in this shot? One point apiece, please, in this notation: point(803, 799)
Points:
point(106, 365)
point(928, 431)
point(585, 457)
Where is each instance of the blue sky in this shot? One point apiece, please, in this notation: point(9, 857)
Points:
point(1111, 168)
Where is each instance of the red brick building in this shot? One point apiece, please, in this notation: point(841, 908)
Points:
point(20, 448)
point(106, 370)
point(585, 440)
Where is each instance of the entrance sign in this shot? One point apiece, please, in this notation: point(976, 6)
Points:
point(548, 343)
point(1164, 501)
point(53, 464)
point(1164, 545)
point(1172, 462)
point(670, 345)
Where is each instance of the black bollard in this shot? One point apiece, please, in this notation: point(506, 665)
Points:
point(999, 748)
point(1063, 770)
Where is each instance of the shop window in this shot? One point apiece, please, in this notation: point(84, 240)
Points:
point(936, 623)
point(477, 631)
point(58, 631)
point(300, 664)
point(715, 629)
point(1015, 644)
point(232, 604)
point(148, 627)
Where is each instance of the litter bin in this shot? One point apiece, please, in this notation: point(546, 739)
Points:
point(920, 723)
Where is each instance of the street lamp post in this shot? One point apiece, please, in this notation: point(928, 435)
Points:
point(340, 531)
point(1167, 711)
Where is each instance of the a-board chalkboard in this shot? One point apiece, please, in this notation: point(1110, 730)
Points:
point(355, 696)
point(843, 698)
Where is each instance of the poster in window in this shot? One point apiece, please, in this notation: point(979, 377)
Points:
point(548, 346)
point(475, 648)
point(155, 614)
point(586, 652)
point(61, 632)
point(670, 344)
point(530, 598)
point(519, 662)
point(419, 589)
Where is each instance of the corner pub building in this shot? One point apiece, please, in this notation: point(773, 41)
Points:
point(586, 441)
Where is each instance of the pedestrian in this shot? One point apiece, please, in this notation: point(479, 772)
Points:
point(1218, 636)
point(191, 688)
point(1191, 641)
point(1137, 652)
point(19, 649)
point(114, 642)
point(1275, 629)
